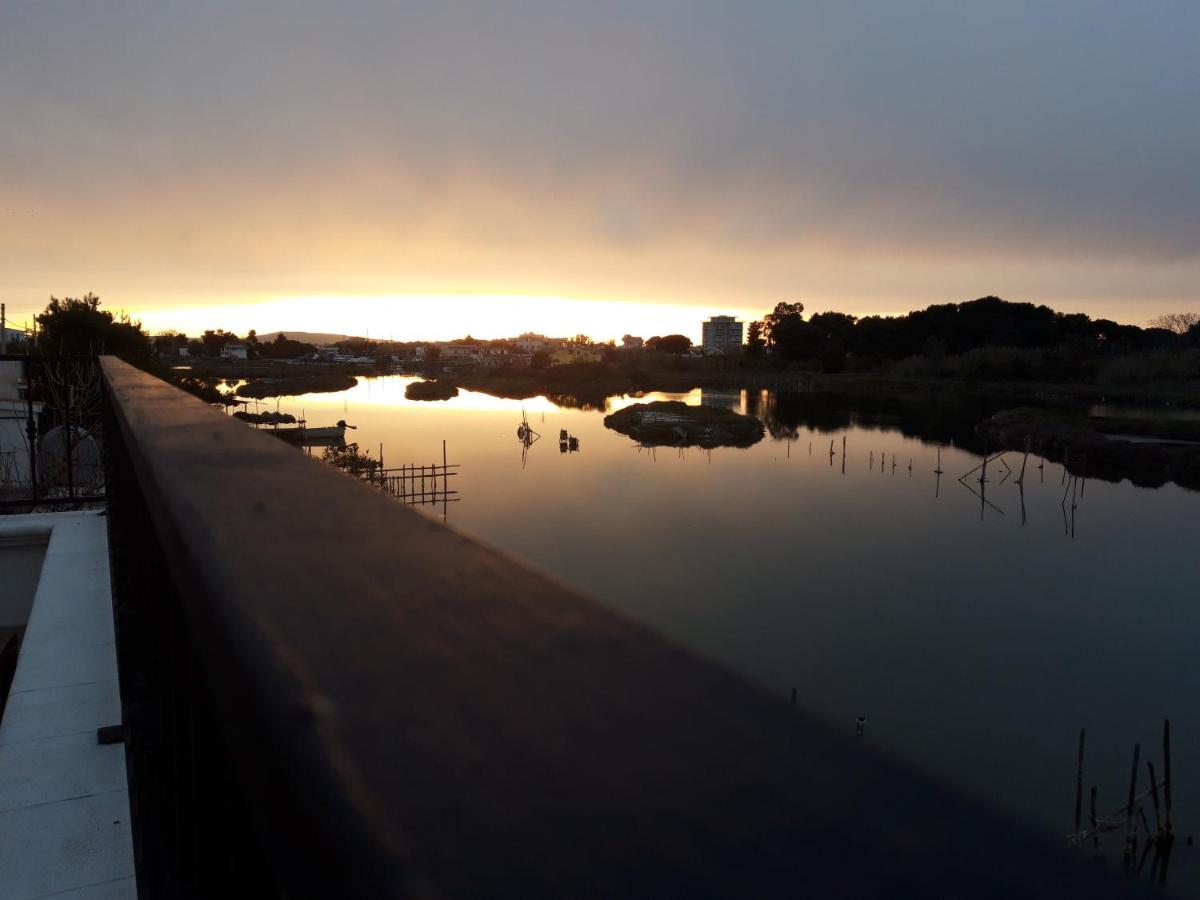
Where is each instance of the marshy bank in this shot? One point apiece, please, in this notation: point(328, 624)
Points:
point(1149, 450)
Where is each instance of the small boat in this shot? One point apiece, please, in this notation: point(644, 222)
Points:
point(330, 431)
point(302, 434)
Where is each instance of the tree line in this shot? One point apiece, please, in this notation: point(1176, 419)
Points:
point(1031, 336)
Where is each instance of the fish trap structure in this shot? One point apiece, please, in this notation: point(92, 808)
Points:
point(417, 484)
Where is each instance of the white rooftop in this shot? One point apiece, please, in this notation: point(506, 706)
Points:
point(64, 798)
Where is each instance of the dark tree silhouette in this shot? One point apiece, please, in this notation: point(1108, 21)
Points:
point(77, 325)
point(670, 343)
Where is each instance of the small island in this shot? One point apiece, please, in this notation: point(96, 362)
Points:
point(430, 390)
point(670, 423)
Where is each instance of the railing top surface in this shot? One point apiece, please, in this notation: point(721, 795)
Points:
point(434, 719)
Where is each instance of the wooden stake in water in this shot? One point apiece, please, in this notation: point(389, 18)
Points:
point(1130, 823)
point(1079, 782)
point(1167, 771)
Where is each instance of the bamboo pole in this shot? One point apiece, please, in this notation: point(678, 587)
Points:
point(1079, 782)
point(1130, 821)
point(1167, 771)
point(1154, 797)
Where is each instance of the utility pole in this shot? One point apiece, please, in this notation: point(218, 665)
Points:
point(3, 329)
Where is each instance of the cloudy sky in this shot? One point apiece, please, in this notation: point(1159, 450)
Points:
point(423, 169)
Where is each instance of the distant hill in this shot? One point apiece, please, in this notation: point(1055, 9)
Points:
point(306, 337)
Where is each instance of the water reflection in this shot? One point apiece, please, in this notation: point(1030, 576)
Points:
point(977, 627)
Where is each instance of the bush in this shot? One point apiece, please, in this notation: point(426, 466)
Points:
point(1157, 365)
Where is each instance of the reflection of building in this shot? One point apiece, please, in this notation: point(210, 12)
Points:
point(718, 399)
point(722, 334)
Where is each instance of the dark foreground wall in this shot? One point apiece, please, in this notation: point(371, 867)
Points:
point(328, 695)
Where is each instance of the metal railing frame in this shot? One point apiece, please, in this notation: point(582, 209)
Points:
point(35, 499)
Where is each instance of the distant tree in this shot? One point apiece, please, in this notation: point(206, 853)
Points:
point(214, 341)
point(756, 344)
point(785, 333)
point(540, 360)
point(168, 341)
point(1176, 323)
point(580, 340)
point(285, 349)
point(77, 325)
point(252, 337)
point(670, 343)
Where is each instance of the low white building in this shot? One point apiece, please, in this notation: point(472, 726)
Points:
point(14, 340)
point(630, 342)
point(236, 351)
point(531, 343)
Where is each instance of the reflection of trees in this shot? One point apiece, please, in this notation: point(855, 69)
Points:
point(598, 403)
point(934, 419)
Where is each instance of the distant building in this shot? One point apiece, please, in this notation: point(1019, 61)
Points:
point(574, 354)
point(531, 343)
point(722, 334)
point(235, 351)
point(461, 353)
point(14, 340)
point(629, 342)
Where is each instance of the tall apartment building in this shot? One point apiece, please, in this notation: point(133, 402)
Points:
point(722, 334)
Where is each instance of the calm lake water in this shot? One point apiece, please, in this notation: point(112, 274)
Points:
point(977, 639)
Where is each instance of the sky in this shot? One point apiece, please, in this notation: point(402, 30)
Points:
point(423, 170)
